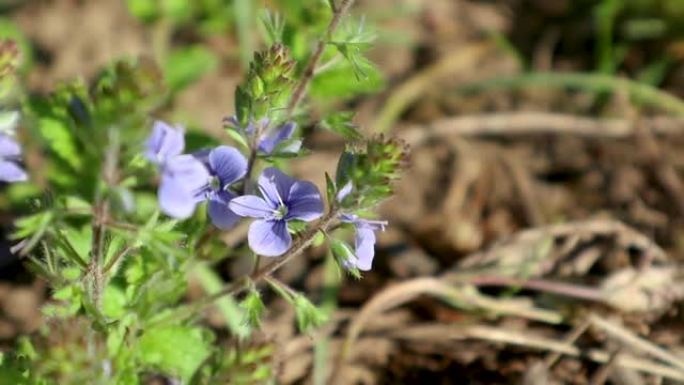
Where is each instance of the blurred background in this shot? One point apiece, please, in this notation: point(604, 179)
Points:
point(546, 144)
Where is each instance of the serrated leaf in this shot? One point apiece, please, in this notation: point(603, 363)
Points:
point(58, 137)
point(308, 315)
point(176, 350)
point(342, 124)
point(273, 26)
point(254, 308)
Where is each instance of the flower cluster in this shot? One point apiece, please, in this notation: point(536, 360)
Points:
point(216, 175)
point(210, 175)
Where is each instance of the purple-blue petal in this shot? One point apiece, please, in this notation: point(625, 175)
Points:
point(304, 202)
point(251, 206)
point(270, 141)
point(275, 186)
point(269, 238)
point(188, 173)
point(175, 200)
point(228, 164)
point(365, 248)
point(11, 172)
point(164, 143)
point(9, 147)
point(219, 211)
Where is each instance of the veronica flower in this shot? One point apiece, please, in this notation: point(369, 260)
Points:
point(183, 181)
point(164, 143)
point(364, 244)
point(10, 153)
point(365, 234)
point(182, 175)
point(226, 165)
point(283, 199)
point(270, 138)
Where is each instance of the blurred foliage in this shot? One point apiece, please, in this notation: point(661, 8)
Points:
point(298, 25)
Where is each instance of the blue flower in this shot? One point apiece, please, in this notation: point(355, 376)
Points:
point(183, 182)
point(164, 143)
point(364, 241)
point(226, 166)
point(365, 234)
point(270, 137)
point(283, 199)
point(10, 153)
point(188, 180)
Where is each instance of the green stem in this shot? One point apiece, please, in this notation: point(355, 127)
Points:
point(310, 70)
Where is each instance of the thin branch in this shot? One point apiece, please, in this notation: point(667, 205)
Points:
point(244, 282)
point(338, 12)
point(112, 262)
point(101, 217)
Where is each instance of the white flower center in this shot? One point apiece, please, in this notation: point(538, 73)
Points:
point(280, 212)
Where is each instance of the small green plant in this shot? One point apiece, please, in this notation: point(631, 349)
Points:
point(120, 210)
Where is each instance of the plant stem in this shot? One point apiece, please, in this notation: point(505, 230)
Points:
point(101, 217)
point(241, 284)
point(310, 69)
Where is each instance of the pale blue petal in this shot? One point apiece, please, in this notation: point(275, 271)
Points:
point(304, 202)
point(348, 218)
point(11, 172)
point(228, 164)
point(344, 191)
point(188, 173)
point(175, 200)
point(164, 143)
point(9, 147)
point(365, 248)
point(269, 238)
point(219, 212)
point(251, 206)
point(270, 141)
point(275, 186)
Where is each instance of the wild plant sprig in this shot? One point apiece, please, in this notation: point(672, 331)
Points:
point(339, 11)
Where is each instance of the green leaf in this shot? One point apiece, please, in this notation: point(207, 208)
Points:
point(57, 135)
point(145, 10)
point(237, 137)
point(177, 10)
point(273, 26)
point(330, 189)
point(177, 350)
point(232, 312)
point(342, 124)
point(186, 65)
point(308, 315)
point(337, 83)
point(254, 308)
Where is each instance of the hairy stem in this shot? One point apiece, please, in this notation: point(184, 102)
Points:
point(101, 217)
point(338, 12)
point(244, 282)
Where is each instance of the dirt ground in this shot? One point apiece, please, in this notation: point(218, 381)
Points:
point(537, 235)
